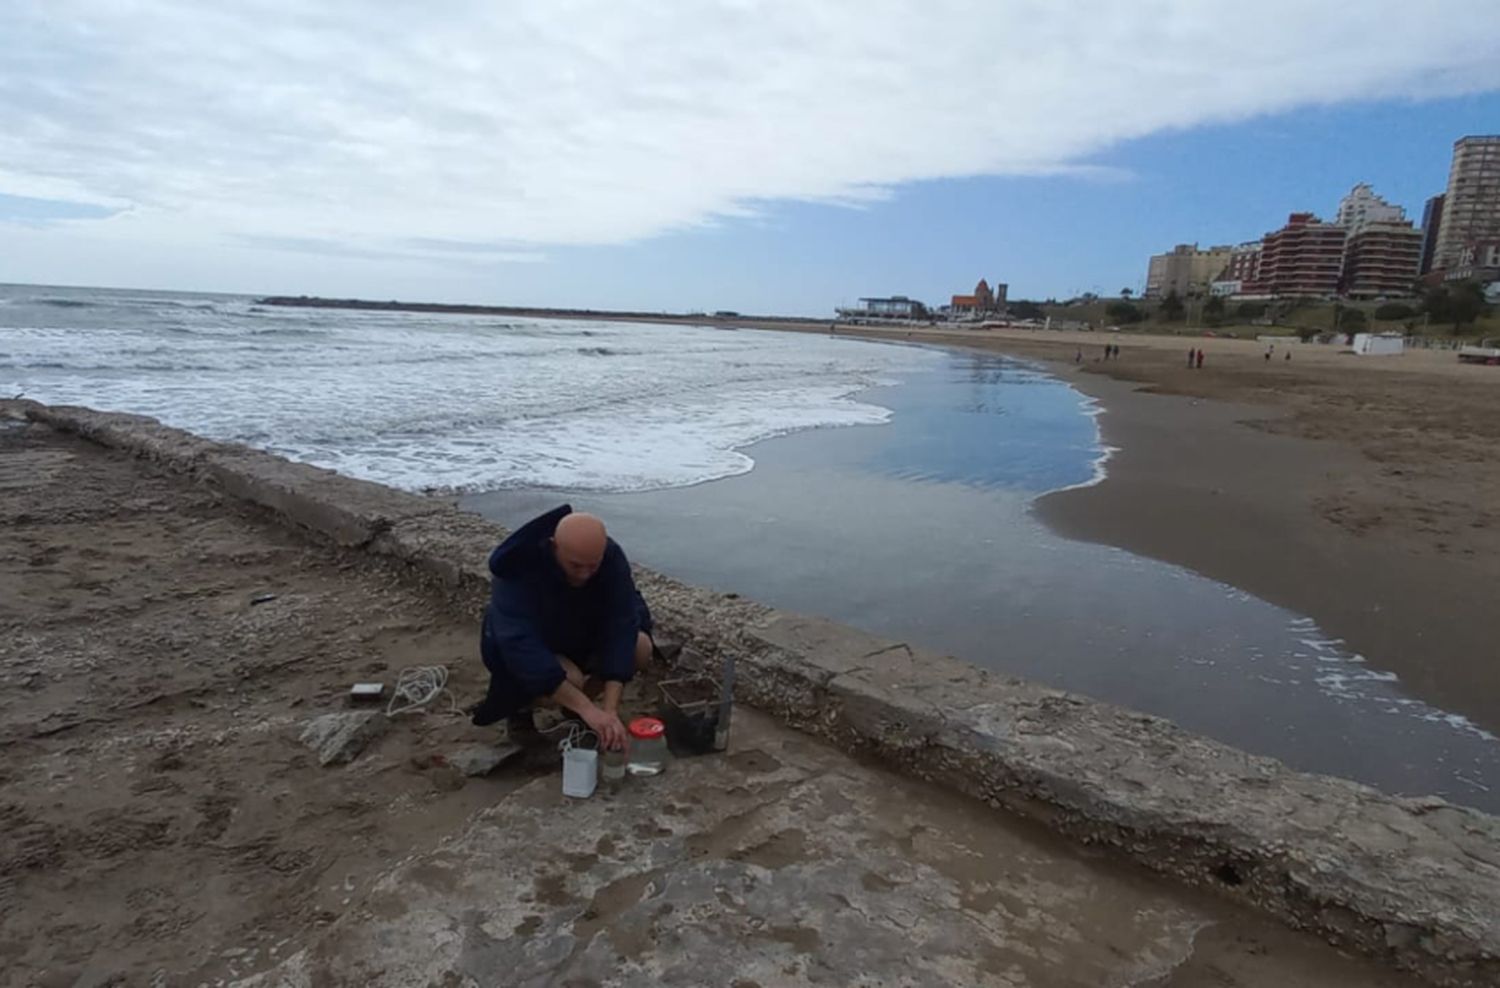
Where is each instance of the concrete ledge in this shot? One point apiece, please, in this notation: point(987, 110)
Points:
point(1414, 882)
point(137, 434)
point(443, 548)
point(347, 511)
point(341, 509)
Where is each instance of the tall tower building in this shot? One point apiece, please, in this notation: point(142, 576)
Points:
point(1363, 206)
point(1383, 251)
point(1471, 206)
point(1382, 260)
point(1432, 222)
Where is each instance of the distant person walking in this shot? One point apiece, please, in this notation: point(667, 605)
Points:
point(1200, 359)
point(1192, 356)
point(1078, 357)
point(1289, 356)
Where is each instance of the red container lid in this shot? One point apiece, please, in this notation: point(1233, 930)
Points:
point(647, 728)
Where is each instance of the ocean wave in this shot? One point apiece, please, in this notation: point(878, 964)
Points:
point(157, 302)
point(84, 368)
point(231, 332)
point(607, 452)
point(462, 404)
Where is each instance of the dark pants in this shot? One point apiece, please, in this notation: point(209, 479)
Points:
point(508, 694)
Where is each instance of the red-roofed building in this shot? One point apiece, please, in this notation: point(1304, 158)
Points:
point(1303, 258)
point(984, 299)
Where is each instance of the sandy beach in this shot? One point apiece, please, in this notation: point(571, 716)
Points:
point(164, 824)
point(1360, 491)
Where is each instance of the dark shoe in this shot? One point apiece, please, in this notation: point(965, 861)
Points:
point(482, 715)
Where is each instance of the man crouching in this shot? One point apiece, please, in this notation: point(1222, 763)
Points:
point(565, 624)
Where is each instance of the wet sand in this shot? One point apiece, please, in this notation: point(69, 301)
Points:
point(1364, 492)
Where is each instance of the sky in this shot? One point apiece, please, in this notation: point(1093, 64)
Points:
point(765, 156)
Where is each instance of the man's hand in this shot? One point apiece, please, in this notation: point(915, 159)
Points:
point(606, 724)
point(603, 722)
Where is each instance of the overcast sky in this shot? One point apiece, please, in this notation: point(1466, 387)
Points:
point(766, 156)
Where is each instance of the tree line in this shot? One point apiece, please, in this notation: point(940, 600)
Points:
point(1459, 305)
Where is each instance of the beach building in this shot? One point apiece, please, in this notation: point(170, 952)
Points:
point(886, 307)
point(1383, 252)
point(1241, 274)
point(983, 299)
point(1185, 270)
point(1478, 261)
point(1382, 260)
point(1362, 206)
point(1305, 258)
point(1432, 220)
point(1471, 206)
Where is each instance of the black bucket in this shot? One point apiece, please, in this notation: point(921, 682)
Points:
point(690, 710)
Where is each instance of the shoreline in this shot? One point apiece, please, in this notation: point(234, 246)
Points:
point(1403, 880)
point(923, 530)
point(1283, 481)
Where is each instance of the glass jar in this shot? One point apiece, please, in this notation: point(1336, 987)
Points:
point(648, 746)
point(612, 766)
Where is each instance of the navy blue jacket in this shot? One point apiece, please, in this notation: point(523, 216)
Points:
point(535, 615)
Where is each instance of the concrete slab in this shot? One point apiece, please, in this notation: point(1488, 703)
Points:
point(481, 759)
point(338, 738)
point(346, 511)
point(786, 863)
point(448, 548)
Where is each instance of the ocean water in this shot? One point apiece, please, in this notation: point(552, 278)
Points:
point(714, 456)
point(921, 530)
point(441, 402)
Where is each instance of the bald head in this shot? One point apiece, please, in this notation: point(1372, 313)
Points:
point(578, 545)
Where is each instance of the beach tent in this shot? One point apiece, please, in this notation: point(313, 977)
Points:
point(1379, 344)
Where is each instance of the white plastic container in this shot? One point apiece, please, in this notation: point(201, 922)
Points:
point(580, 764)
point(580, 772)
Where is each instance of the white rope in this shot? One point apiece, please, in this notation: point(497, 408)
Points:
point(418, 686)
point(577, 731)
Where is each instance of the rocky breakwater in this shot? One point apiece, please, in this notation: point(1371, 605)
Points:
point(1414, 882)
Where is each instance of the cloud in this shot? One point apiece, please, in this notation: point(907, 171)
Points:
point(494, 130)
point(31, 211)
point(504, 250)
point(422, 248)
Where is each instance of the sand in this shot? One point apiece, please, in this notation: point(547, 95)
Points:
point(1362, 491)
point(156, 809)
